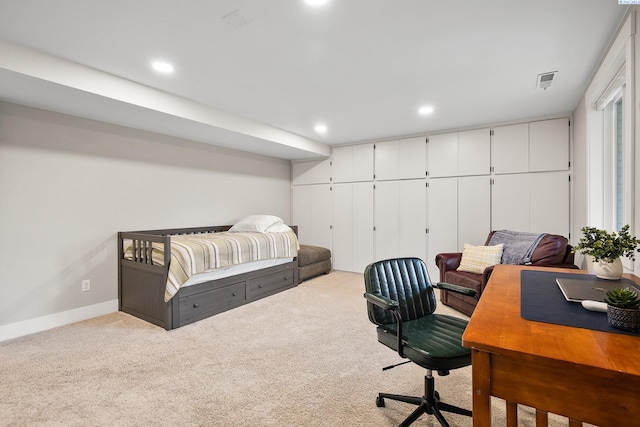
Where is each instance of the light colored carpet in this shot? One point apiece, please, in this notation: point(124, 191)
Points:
point(305, 357)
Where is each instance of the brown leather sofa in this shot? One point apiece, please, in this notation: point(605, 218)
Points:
point(552, 251)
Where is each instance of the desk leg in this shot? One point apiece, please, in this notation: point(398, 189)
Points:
point(512, 414)
point(481, 383)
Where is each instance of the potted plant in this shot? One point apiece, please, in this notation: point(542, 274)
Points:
point(607, 248)
point(623, 309)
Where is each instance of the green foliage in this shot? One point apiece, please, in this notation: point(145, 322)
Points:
point(623, 298)
point(600, 244)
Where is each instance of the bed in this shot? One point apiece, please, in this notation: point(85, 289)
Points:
point(147, 262)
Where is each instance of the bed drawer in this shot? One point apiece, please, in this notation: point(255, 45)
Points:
point(270, 283)
point(198, 306)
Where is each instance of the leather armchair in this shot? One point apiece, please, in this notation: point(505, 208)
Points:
point(552, 251)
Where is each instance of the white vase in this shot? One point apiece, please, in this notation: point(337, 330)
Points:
point(608, 270)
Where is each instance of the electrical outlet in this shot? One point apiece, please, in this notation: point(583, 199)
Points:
point(86, 285)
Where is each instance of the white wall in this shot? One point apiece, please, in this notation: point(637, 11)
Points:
point(68, 185)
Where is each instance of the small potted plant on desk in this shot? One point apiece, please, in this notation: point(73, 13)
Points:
point(606, 249)
point(623, 309)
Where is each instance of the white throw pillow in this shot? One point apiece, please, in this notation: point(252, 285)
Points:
point(476, 258)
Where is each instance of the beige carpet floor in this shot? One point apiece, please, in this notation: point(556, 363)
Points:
point(305, 357)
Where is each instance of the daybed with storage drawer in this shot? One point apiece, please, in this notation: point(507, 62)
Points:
point(145, 277)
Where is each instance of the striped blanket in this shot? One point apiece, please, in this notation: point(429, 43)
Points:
point(198, 253)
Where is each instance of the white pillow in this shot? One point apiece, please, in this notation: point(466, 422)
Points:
point(278, 228)
point(476, 258)
point(256, 223)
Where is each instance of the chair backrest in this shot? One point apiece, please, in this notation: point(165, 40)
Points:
point(404, 280)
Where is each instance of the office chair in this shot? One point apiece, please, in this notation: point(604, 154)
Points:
point(401, 301)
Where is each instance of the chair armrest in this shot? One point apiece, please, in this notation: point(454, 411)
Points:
point(391, 305)
point(382, 301)
point(448, 261)
point(455, 288)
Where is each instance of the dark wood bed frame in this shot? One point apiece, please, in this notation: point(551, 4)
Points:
point(141, 284)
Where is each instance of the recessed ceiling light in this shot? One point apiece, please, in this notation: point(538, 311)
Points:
point(426, 110)
point(320, 128)
point(316, 2)
point(162, 67)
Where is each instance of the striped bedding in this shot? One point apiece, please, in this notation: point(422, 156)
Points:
point(198, 253)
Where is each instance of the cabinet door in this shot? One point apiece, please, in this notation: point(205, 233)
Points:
point(311, 172)
point(352, 228)
point(442, 155)
point(549, 145)
point(352, 163)
point(312, 214)
point(400, 219)
point(402, 159)
point(510, 149)
point(442, 219)
point(474, 152)
point(510, 202)
point(474, 210)
point(549, 203)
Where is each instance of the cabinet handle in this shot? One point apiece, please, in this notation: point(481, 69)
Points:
point(195, 305)
point(234, 294)
point(260, 286)
point(286, 278)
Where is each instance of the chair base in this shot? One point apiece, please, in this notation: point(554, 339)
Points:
point(428, 404)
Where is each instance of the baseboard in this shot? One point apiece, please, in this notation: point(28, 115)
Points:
point(39, 324)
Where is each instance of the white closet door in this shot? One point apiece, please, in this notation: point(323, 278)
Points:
point(352, 163)
point(400, 212)
point(387, 160)
point(342, 227)
point(352, 226)
point(510, 149)
point(312, 214)
point(442, 157)
point(474, 152)
point(549, 203)
point(362, 226)
point(413, 218)
point(412, 158)
point(474, 210)
point(510, 202)
point(549, 145)
point(442, 215)
point(387, 219)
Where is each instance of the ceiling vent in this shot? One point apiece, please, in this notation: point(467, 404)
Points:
point(545, 80)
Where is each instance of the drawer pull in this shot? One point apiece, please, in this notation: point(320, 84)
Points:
point(234, 294)
point(260, 286)
point(195, 305)
point(286, 278)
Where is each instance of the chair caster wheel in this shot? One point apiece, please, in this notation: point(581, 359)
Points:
point(380, 402)
point(437, 395)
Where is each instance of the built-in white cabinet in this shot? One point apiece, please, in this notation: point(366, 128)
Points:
point(459, 154)
point(410, 197)
point(535, 202)
point(352, 226)
point(311, 172)
point(400, 218)
point(531, 147)
point(312, 214)
point(352, 163)
point(401, 159)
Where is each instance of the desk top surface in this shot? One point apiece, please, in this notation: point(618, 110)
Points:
point(496, 326)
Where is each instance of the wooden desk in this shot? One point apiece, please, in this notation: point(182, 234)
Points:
point(587, 376)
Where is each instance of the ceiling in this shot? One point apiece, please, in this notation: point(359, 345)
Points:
point(260, 80)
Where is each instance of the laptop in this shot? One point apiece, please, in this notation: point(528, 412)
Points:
point(591, 288)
